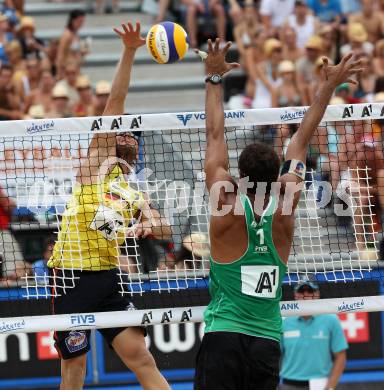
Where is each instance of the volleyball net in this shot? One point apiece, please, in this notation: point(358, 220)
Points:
point(337, 230)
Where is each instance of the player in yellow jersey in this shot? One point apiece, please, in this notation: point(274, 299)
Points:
point(103, 211)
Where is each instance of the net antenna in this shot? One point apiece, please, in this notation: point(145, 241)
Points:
point(335, 242)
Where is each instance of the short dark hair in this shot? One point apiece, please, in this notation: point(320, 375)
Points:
point(74, 14)
point(260, 163)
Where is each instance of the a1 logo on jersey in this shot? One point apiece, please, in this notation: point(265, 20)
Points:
point(260, 280)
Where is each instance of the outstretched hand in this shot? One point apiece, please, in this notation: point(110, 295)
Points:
point(215, 58)
point(130, 36)
point(342, 72)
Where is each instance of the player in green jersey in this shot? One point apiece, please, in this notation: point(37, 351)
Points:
point(241, 346)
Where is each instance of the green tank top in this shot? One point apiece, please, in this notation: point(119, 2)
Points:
point(246, 293)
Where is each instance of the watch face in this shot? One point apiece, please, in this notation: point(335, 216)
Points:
point(216, 78)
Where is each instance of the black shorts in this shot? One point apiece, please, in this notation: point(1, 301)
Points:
point(93, 291)
point(235, 361)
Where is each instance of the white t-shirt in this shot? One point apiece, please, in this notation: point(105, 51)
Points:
point(303, 32)
point(278, 10)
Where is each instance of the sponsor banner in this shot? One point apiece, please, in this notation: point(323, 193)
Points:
point(172, 121)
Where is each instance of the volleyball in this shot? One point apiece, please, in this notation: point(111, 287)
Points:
point(167, 42)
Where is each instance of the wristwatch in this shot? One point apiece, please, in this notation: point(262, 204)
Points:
point(214, 79)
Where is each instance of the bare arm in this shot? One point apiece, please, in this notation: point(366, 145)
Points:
point(298, 146)
point(62, 51)
point(216, 155)
point(339, 361)
point(103, 145)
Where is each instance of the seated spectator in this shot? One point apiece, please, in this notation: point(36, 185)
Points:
point(274, 13)
point(287, 93)
point(71, 72)
point(39, 267)
point(378, 60)
point(366, 81)
point(266, 75)
point(70, 48)
point(100, 6)
point(12, 261)
point(49, 61)
point(213, 8)
point(43, 94)
point(291, 51)
point(30, 81)
point(10, 104)
point(84, 106)
point(31, 45)
point(328, 11)
point(303, 22)
point(327, 34)
point(60, 103)
point(370, 19)
point(357, 40)
point(36, 112)
point(102, 90)
point(306, 67)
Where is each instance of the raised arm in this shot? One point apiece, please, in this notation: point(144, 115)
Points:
point(298, 146)
point(216, 155)
point(103, 145)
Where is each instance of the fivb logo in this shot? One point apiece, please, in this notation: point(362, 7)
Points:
point(200, 116)
point(82, 319)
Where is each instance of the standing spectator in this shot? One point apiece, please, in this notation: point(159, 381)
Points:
point(70, 45)
point(266, 75)
point(306, 66)
point(84, 106)
point(274, 13)
point(10, 106)
point(328, 11)
point(60, 103)
point(213, 8)
point(71, 72)
point(358, 40)
point(291, 51)
point(43, 94)
point(29, 43)
point(12, 263)
point(102, 90)
point(288, 94)
point(370, 19)
point(303, 22)
point(322, 335)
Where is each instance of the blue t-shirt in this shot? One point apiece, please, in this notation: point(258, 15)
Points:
point(40, 269)
point(325, 12)
point(307, 346)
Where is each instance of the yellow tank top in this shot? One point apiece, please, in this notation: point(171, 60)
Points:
point(95, 223)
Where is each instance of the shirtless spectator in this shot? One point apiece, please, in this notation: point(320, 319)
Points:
point(378, 60)
point(30, 81)
point(371, 20)
point(10, 105)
